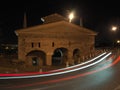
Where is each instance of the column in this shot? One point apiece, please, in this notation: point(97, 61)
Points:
point(21, 49)
point(70, 58)
point(49, 59)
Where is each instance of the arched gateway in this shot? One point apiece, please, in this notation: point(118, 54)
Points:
point(59, 56)
point(36, 58)
point(43, 44)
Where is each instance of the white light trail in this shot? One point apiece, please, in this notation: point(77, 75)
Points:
point(57, 73)
point(80, 64)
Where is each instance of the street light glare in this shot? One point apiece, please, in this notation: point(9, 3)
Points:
point(114, 28)
point(118, 41)
point(71, 16)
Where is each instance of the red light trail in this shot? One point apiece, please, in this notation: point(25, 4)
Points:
point(68, 78)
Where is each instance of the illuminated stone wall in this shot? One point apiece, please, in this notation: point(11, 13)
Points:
point(48, 37)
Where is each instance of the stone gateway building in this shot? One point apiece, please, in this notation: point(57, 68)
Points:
point(55, 42)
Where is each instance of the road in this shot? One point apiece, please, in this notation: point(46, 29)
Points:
point(102, 76)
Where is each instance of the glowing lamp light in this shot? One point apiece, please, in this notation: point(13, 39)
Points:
point(114, 28)
point(118, 41)
point(71, 16)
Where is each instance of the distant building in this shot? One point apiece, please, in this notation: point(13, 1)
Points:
point(56, 41)
point(9, 46)
point(9, 50)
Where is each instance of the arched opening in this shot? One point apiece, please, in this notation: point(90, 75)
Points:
point(36, 58)
point(76, 55)
point(59, 56)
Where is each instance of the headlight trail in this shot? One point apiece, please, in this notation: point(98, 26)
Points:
point(79, 64)
point(52, 71)
point(117, 60)
point(57, 73)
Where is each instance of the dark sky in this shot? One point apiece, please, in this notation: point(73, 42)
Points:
point(96, 15)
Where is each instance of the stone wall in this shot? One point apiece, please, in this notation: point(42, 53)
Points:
point(49, 42)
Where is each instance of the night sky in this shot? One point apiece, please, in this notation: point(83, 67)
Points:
point(97, 15)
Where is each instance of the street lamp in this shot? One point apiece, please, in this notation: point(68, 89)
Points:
point(114, 37)
point(71, 16)
point(118, 41)
point(114, 28)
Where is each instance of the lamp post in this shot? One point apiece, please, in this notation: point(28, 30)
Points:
point(117, 40)
point(118, 45)
point(115, 29)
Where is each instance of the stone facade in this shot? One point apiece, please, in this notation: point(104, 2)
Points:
point(38, 44)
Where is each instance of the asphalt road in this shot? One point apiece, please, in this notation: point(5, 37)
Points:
point(103, 76)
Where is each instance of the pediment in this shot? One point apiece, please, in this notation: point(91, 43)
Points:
point(56, 27)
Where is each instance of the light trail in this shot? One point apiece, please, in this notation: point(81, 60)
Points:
point(51, 74)
point(58, 70)
point(79, 64)
point(66, 78)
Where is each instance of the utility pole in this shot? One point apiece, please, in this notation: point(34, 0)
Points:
point(81, 22)
point(25, 21)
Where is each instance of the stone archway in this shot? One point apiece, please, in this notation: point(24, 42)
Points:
point(36, 58)
point(59, 56)
point(76, 56)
